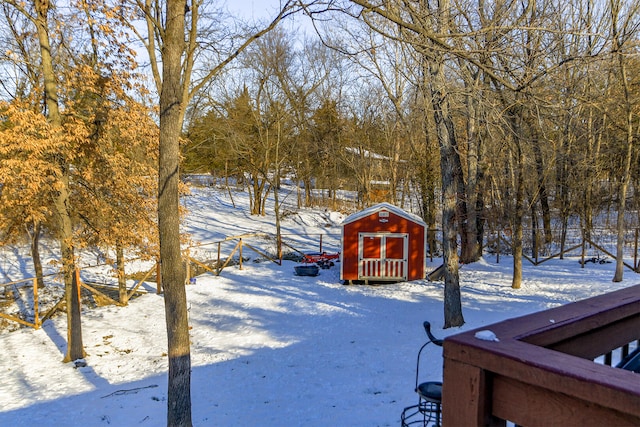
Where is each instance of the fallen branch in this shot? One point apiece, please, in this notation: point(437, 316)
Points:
point(129, 391)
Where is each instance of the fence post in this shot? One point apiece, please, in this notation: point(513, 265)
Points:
point(218, 261)
point(320, 242)
point(240, 249)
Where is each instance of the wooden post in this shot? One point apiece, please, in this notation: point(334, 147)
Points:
point(466, 396)
point(320, 243)
point(218, 262)
point(36, 315)
point(240, 253)
point(498, 249)
point(158, 278)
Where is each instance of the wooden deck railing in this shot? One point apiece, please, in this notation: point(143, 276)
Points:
point(541, 371)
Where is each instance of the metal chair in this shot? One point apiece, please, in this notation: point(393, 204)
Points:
point(429, 408)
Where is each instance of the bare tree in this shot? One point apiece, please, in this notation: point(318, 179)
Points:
point(624, 27)
point(171, 114)
point(173, 32)
point(431, 25)
point(38, 13)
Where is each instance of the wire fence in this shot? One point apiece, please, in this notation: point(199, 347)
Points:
point(24, 303)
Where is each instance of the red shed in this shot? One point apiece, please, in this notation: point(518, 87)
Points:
point(383, 242)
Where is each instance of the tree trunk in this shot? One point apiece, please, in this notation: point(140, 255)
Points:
point(179, 353)
point(34, 237)
point(276, 199)
point(563, 182)
point(480, 214)
point(535, 250)
point(122, 279)
point(450, 179)
point(542, 188)
point(226, 183)
point(626, 174)
point(517, 220)
point(278, 226)
point(467, 244)
point(593, 148)
point(473, 250)
point(428, 202)
point(64, 231)
point(517, 178)
point(258, 184)
point(75, 349)
point(308, 196)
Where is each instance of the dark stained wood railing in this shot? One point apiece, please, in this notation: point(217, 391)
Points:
point(541, 371)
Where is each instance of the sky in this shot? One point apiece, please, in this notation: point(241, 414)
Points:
point(254, 9)
point(266, 10)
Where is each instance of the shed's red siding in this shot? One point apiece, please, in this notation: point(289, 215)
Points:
point(384, 222)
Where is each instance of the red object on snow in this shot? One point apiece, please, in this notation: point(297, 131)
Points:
point(319, 257)
point(383, 243)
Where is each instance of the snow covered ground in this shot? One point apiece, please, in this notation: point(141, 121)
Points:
point(268, 348)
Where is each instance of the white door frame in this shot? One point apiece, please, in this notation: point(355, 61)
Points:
point(383, 267)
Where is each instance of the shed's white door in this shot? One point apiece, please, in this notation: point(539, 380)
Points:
point(383, 255)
